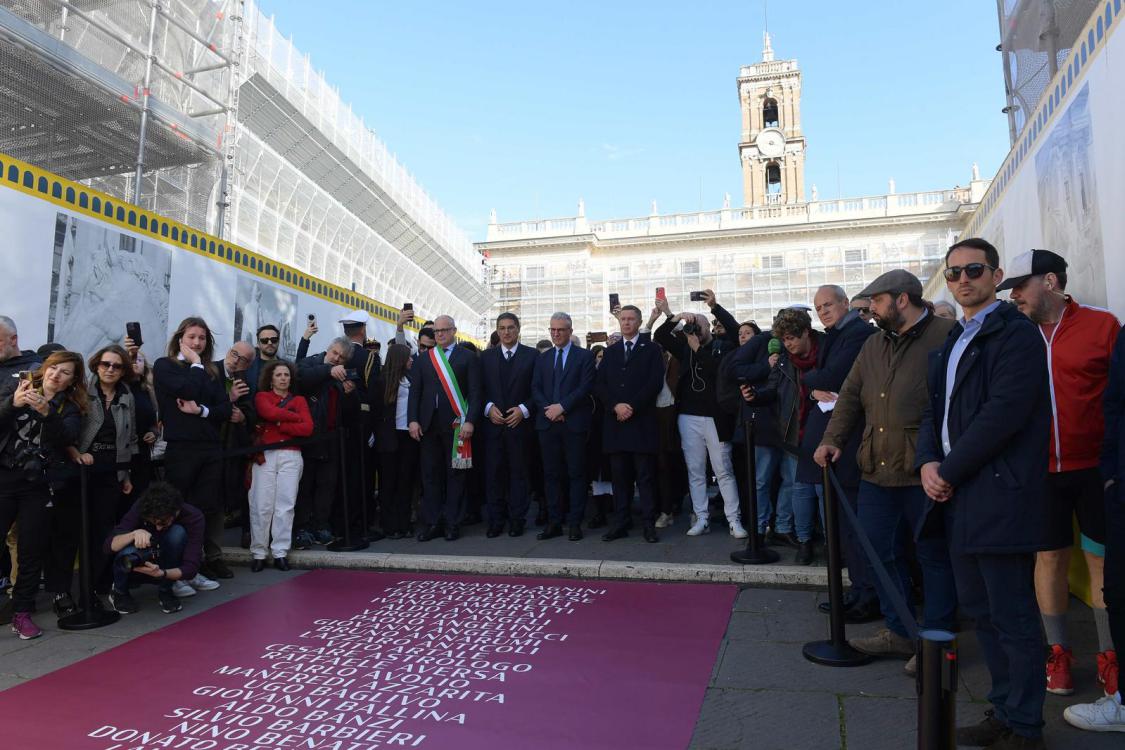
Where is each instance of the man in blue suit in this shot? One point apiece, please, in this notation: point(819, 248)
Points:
point(431, 417)
point(560, 388)
point(629, 379)
point(506, 372)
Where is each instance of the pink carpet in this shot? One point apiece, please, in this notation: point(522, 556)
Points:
point(352, 660)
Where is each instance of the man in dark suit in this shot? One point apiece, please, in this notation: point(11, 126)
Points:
point(629, 379)
point(506, 372)
point(560, 387)
point(982, 450)
point(431, 415)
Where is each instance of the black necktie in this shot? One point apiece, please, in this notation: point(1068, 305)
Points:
point(508, 354)
point(628, 350)
point(558, 375)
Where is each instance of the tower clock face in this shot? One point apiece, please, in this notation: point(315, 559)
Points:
point(770, 142)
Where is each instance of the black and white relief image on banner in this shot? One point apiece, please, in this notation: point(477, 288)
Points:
point(258, 303)
point(100, 279)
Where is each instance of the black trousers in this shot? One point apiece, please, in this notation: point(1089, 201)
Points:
point(564, 466)
point(25, 503)
point(316, 492)
point(1114, 586)
point(398, 474)
point(443, 487)
point(196, 470)
point(103, 493)
point(506, 482)
point(629, 469)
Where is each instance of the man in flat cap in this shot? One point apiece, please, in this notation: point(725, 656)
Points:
point(884, 389)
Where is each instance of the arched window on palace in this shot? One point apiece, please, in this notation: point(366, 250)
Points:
point(769, 114)
point(773, 181)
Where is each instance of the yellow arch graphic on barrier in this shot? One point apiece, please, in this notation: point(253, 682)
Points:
point(76, 197)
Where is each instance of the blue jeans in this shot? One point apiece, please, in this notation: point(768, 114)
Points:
point(171, 541)
point(808, 500)
point(881, 512)
point(768, 462)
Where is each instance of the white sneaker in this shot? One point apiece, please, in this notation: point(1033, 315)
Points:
point(737, 531)
point(203, 583)
point(664, 520)
point(699, 527)
point(182, 590)
point(1103, 715)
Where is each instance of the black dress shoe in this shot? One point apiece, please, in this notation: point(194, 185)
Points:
point(281, 563)
point(257, 566)
point(219, 569)
point(494, 531)
point(516, 528)
point(804, 553)
point(613, 534)
point(452, 534)
point(430, 532)
point(826, 606)
point(575, 533)
point(650, 535)
point(788, 539)
point(550, 532)
point(861, 613)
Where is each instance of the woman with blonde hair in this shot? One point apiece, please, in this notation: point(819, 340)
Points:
point(194, 406)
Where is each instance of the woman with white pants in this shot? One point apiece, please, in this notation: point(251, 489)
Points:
point(282, 416)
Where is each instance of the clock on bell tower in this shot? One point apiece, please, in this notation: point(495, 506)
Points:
point(772, 148)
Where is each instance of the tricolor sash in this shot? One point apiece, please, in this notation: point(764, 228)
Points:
point(462, 457)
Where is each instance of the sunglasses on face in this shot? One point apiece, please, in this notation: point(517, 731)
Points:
point(111, 366)
point(269, 340)
point(973, 271)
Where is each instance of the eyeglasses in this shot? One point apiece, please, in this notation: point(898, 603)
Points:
point(111, 366)
point(444, 330)
point(558, 330)
point(238, 357)
point(424, 347)
point(269, 340)
point(973, 271)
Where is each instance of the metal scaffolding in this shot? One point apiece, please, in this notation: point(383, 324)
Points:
point(202, 111)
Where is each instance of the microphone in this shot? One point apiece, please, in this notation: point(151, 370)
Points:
point(774, 346)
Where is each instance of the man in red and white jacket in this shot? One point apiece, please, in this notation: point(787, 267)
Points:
point(1079, 341)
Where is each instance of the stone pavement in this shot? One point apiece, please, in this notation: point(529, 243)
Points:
point(763, 694)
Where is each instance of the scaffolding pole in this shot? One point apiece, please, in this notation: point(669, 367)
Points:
point(144, 102)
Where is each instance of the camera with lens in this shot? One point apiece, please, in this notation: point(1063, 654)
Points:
point(691, 329)
point(138, 557)
point(30, 460)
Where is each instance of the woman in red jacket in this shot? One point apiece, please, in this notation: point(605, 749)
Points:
point(282, 416)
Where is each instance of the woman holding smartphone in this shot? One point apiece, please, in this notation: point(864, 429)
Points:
point(282, 416)
point(106, 444)
point(39, 419)
point(194, 405)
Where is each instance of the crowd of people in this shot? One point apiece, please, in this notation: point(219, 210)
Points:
point(966, 444)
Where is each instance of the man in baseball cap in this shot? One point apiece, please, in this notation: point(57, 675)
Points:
point(1079, 343)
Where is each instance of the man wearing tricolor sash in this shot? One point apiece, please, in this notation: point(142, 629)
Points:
point(445, 402)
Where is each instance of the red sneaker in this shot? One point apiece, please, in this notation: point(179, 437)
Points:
point(1059, 681)
point(1107, 671)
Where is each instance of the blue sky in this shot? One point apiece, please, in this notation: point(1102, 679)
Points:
point(525, 107)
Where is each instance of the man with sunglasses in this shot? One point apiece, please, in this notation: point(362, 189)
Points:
point(1079, 342)
point(982, 451)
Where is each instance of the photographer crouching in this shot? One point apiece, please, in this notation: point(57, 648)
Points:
point(159, 541)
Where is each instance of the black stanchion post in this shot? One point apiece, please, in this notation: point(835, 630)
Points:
point(90, 613)
point(345, 543)
point(756, 553)
point(834, 652)
point(937, 690)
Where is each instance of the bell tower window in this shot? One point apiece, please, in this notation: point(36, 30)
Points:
point(773, 178)
point(769, 113)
